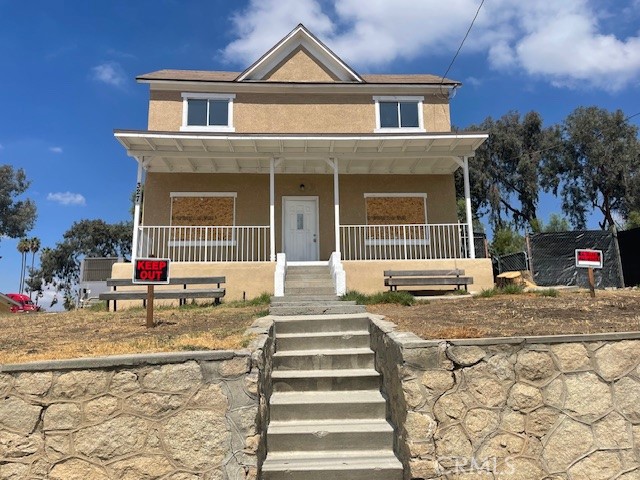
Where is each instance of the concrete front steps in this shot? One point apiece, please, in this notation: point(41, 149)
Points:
point(327, 415)
point(309, 290)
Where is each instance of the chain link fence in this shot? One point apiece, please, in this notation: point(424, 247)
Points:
point(518, 261)
point(552, 258)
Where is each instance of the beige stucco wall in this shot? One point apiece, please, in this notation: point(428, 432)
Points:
point(368, 277)
point(299, 66)
point(296, 113)
point(244, 279)
point(252, 201)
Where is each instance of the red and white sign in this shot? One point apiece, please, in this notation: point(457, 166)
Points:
point(586, 258)
point(151, 271)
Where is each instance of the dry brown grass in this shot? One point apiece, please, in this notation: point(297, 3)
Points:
point(86, 333)
point(570, 312)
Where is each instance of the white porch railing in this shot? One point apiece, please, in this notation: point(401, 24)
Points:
point(404, 242)
point(205, 244)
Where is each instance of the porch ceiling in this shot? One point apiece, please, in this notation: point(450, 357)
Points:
point(177, 152)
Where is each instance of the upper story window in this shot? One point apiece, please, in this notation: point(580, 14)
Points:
point(207, 111)
point(399, 113)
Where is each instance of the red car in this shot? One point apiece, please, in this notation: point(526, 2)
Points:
point(26, 304)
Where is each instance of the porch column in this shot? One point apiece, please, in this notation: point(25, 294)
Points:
point(272, 211)
point(467, 201)
point(136, 211)
point(336, 205)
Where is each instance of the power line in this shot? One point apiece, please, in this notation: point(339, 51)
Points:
point(461, 43)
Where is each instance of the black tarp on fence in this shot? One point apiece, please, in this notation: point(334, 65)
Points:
point(629, 243)
point(553, 258)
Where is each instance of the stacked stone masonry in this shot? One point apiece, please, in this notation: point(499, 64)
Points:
point(519, 409)
point(177, 419)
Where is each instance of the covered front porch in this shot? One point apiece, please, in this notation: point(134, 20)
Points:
point(310, 197)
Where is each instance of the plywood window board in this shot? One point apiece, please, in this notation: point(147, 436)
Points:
point(210, 209)
point(396, 209)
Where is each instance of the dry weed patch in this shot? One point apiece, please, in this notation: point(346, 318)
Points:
point(84, 333)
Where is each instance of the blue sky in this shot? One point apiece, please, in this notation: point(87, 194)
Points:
point(68, 74)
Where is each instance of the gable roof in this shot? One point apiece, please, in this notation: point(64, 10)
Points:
point(218, 76)
point(299, 37)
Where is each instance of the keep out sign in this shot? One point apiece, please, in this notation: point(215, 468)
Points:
point(586, 258)
point(151, 271)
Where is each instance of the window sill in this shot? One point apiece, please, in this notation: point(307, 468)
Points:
point(204, 128)
point(400, 130)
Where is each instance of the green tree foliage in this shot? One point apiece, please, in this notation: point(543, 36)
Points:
point(633, 220)
point(17, 217)
point(462, 216)
point(93, 238)
point(506, 240)
point(557, 223)
point(599, 165)
point(23, 247)
point(34, 283)
point(505, 173)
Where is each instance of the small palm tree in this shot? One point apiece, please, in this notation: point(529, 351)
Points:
point(34, 247)
point(24, 246)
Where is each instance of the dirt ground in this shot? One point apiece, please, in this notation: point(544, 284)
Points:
point(81, 333)
point(40, 336)
point(528, 314)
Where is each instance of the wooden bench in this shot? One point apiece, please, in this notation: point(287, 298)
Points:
point(161, 292)
point(420, 278)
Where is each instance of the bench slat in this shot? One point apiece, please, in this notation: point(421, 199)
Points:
point(405, 282)
point(127, 282)
point(163, 294)
point(423, 273)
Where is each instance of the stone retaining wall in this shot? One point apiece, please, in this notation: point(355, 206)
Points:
point(524, 408)
point(177, 416)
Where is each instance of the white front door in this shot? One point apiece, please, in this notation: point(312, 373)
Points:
point(300, 228)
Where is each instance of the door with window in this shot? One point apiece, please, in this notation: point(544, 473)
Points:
point(300, 228)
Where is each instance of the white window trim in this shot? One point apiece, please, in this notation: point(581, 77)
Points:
point(198, 243)
point(418, 99)
point(398, 242)
point(207, 128)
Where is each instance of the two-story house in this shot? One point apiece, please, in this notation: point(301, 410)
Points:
point(300, 159)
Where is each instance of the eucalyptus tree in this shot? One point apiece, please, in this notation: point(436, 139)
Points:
point(598, 167)
point(505, 173)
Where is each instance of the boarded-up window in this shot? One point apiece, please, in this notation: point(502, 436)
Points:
point(202, 210)
point(395, 210)
point(398, 217)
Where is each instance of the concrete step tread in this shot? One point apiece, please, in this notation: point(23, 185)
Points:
point(305, 303)
point(339, 397)
point(347, 372)
point(318, 298)
point(331, 460)
point(339, 316)
point(324, 351)
point(344, 334)
point(340, 425)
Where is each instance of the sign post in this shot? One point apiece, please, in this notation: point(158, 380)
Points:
point(150, 272)
point(589, 259)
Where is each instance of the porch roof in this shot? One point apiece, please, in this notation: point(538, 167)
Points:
point(187, 152)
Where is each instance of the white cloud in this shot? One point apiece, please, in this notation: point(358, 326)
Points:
point(55, 149)
point(110, 73)
point(562, 42)
point(67, 198)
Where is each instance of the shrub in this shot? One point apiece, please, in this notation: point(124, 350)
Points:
point(549, 292)
point(397, 297)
